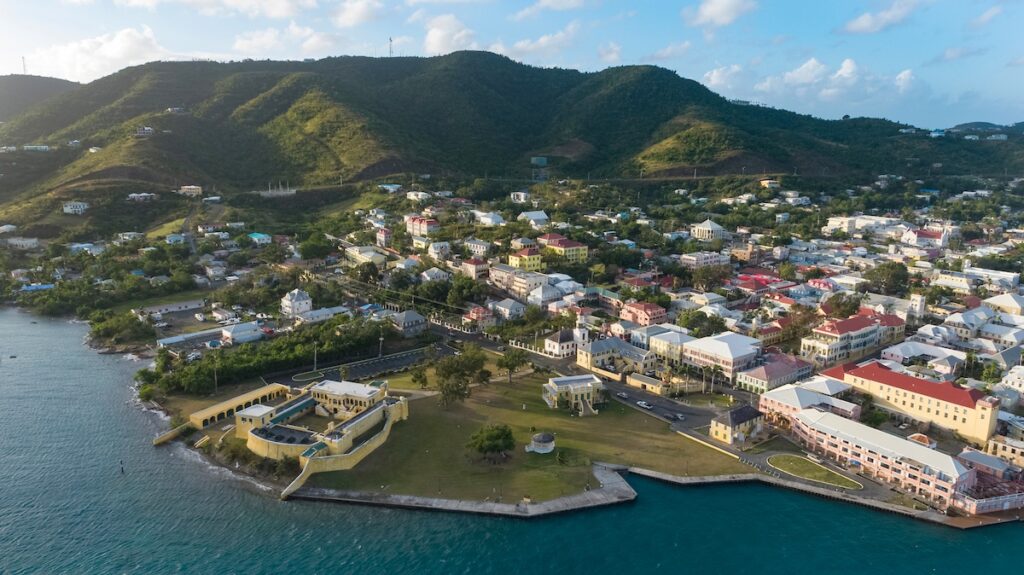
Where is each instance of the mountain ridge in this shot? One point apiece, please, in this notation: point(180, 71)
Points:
point(241, 124)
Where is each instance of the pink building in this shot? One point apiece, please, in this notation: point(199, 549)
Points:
point(782, 403)
point(908, 466)
point(643, 313)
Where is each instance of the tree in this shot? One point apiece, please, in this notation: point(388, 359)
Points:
point(454, 387)
point(889, 278)
point(316, 247)
point(366, 272)
point(710, 277)
point(700, 324)
point(483, 377)
point(787, 271)
point(493, 441)
point(419, 377)
point(512, 361)
point(843, 305)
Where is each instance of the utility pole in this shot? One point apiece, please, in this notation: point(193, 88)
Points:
point(316, 345)
point(380, 343)
point(391, 47)
point(24, 66)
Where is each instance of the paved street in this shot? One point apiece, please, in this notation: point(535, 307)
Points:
point(366, 368)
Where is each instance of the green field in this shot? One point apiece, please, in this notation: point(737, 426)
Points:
point(426, 454)
point(807, 469)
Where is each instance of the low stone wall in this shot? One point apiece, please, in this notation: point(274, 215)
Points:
point(614, 489)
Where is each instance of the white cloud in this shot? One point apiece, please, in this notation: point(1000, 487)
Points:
point(547, 44)
point(904, 81)
point(446, 34)
point(352, 13)
point(251, 8)
point(847, 74)
point(717, 13)
point(872, 22)
point(987, 16)
point(310, 40)
point(542, 5)
point(809, 72)
point(722, 78)
point(955, 53)
point(610, 53)
point(671, 51)
point(258, 42)
point(91, 58)
point(1018, 61)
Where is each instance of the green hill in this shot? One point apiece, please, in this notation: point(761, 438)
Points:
point(18, 92)
point(240, 125)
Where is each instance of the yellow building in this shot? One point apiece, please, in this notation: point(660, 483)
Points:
point(570, 250)
point(1008, 449)
point(528, 259)
point(648, 384)
point(968, 412)
point(737, 426)
point(228, 408)
point(345, 399)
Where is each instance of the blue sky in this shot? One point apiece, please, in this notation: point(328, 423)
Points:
point(932, 63)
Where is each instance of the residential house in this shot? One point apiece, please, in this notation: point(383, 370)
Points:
point(75, 207)
point(703, 259)
point(528, 259)
point(295, 303)
point(537, 219)
point(508, 309)
point(474, 268)
point(478, 248)
point(409, 323)
point(420, 226)
point(439, 250)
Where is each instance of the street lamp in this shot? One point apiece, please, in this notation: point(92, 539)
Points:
point(380, 340)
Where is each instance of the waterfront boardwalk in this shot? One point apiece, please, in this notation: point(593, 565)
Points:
point(831, 493)
point(613, 489)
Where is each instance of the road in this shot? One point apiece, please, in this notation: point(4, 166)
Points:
point(366, 368)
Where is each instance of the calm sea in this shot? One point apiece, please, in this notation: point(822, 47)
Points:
point(68, 420)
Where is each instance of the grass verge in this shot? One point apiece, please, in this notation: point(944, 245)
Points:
point(807, 469)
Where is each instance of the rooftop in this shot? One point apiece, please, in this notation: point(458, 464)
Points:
point(941, 390)
point(346, 388)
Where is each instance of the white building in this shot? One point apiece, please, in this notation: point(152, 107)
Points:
point(703, 259)
point(708, 231)
point(191, 191)
point(75, 207)
point(295, 303)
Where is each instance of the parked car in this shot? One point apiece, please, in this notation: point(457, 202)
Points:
point(622, 394)
point(501, 348)
point(161, 324)
point(200, 317)
point(680, 417)
point(645, 405)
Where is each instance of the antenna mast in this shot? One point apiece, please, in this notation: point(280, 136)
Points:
point(24, 66)
point(391, 47)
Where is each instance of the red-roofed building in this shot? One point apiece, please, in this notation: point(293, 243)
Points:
point(925, 238)
point(475, 268)
point(843, 340)
point(643, 313)
point(968, 412)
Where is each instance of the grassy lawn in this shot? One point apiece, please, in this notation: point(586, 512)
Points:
point(702, 399)
point(906, 501)
point(171, 227)
point(426, 455)
point(807, 469)
point(404, 380)
point(775, 444)
point(185, 405)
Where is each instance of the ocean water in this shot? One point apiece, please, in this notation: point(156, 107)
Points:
point(68, 420)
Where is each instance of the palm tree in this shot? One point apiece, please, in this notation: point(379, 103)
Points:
point(715, 372)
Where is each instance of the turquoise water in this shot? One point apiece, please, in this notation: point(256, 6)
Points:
point(67, 419)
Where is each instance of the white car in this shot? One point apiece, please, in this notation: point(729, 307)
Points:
point(644, 405)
